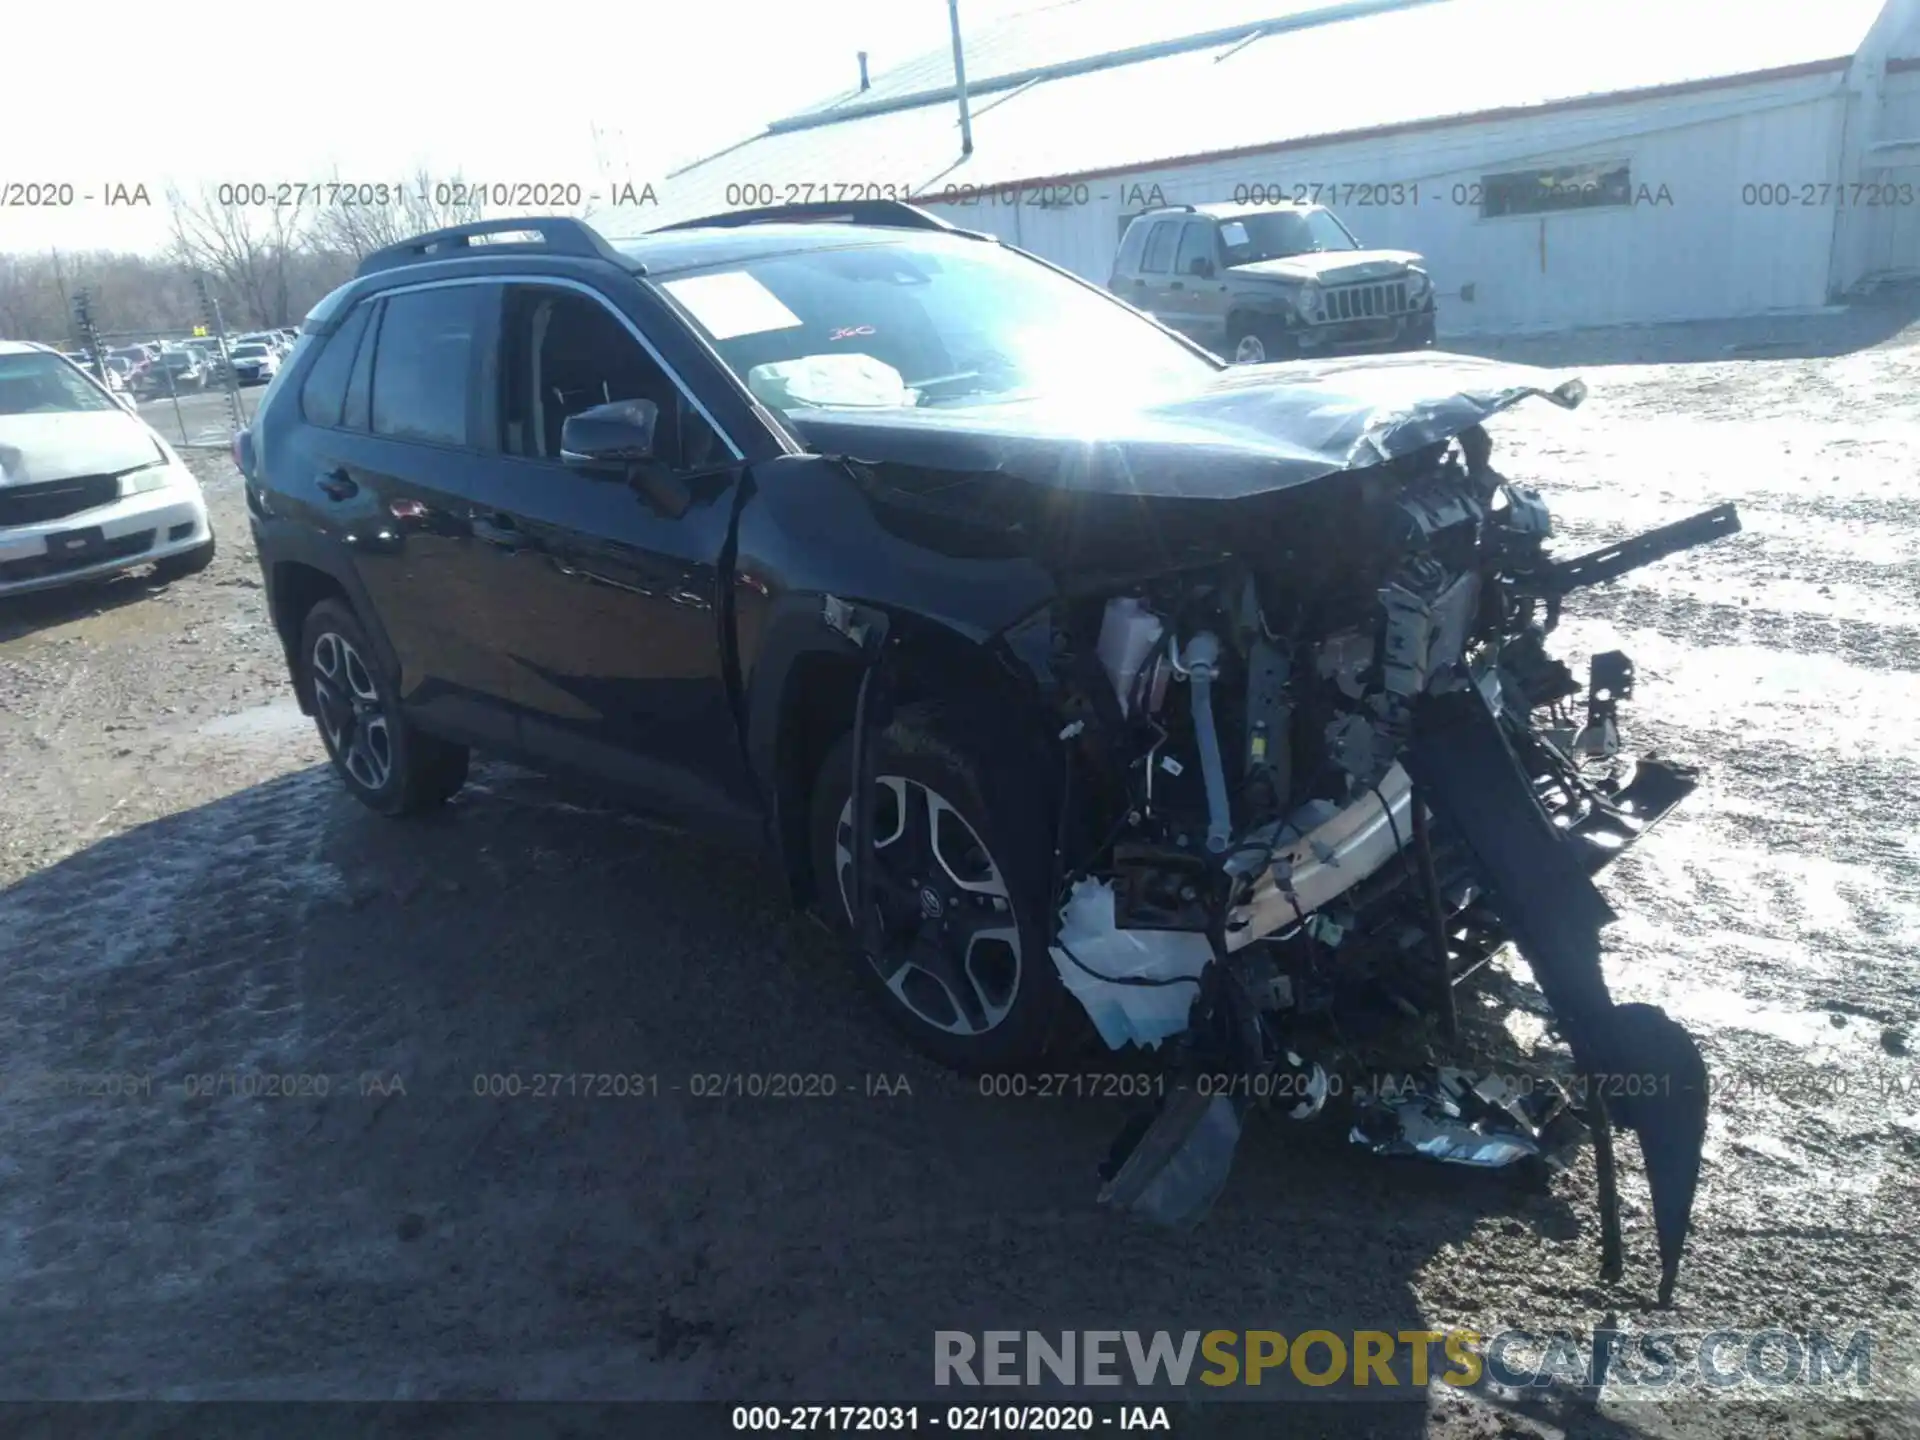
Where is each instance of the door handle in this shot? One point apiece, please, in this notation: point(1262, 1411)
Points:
point(498, 530)
point(338, 485)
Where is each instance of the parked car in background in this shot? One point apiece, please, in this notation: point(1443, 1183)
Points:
point(112, 372)
point(178, 372)
point(1272, 282)
point(87, 488)
point(214, 358)
point(136, 359)
point(255, 363)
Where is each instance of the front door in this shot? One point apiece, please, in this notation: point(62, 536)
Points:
point(1199, 293)
point(616, 633)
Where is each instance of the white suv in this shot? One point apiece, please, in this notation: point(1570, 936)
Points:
point(87, 488)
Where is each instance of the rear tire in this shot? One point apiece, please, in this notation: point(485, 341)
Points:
point(964, 971)
point(388, 764)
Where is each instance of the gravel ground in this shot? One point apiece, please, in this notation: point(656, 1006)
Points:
point(187, 892)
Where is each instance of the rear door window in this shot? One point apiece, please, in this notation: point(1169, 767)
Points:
point(1160, 247)
point(423, 366)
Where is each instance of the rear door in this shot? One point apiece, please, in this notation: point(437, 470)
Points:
point(393, 464)
point(615, 635)
point(1150, 291)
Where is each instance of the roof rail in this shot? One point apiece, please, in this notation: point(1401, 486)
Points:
point(559, 235)
point(896, 213)
point(1162, 209)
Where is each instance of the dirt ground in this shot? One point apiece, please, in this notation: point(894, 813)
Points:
point(187, 894)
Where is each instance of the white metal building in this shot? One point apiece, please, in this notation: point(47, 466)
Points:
point(1559, 162)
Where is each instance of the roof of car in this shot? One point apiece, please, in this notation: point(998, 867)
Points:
point(730, 238)
point(1228, 210)
point(665, 252)
point(21, 347)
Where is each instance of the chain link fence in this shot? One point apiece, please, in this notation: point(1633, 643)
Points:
point(198, 409)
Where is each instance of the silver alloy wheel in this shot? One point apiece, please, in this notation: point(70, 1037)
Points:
point(951, 947)
point(1250, 351)
point(347, 704)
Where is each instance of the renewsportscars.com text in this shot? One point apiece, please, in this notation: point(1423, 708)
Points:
point(1650, 1361)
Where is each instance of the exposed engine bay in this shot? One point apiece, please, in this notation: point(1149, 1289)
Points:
point(1339, 786)
point(1318, 767)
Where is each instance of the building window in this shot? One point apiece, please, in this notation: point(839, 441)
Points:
point(1558, 187)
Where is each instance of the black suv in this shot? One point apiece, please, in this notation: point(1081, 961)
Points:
point(1056, 660)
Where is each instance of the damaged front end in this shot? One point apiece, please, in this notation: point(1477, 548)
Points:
point(1328, 772)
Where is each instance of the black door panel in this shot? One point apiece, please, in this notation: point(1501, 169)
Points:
point(408, 527)
point(614, 639)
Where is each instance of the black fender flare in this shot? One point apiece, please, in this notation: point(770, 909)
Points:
point(288, 545)
point(794, 636)
point(802, 629)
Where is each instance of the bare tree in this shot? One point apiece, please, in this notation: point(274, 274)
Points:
point(249, 247)
point(265, 266)
point(24, 312)
point(347, 225)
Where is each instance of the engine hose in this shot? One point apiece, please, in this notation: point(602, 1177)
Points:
point(1201, 660)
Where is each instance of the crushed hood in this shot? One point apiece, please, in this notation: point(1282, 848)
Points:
point(1245, 431)
point(63, 445)
point(1333, 267)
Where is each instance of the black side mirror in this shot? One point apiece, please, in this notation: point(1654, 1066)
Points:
point(620, 437)
point(610, 436)
point(1200, 266)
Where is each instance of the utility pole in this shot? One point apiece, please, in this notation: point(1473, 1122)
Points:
point(84, 330)
point(960, 79)
point(173, 394)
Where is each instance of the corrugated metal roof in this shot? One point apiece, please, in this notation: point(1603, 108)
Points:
point(1056, 34)
point(1454, 58)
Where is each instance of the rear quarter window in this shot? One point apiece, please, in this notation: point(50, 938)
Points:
point(280, 378)
point(323, 396)
point(1160, 246)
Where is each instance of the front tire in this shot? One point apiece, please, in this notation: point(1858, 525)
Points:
point(1253, 340)
point(962, 866)
point(388, 764)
